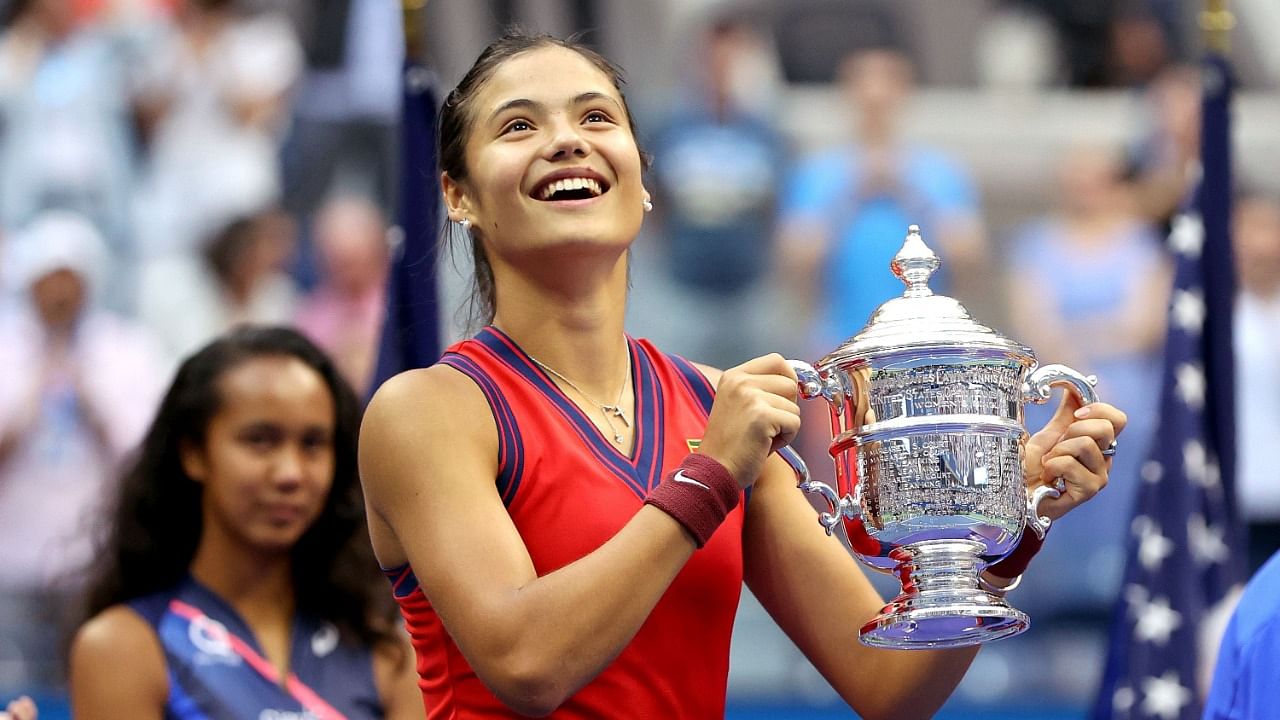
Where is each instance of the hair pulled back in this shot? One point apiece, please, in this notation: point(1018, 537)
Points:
point(456, 122)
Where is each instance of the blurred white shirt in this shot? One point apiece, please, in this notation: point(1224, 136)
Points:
point(1257, 341)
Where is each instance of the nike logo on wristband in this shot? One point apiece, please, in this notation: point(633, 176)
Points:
point(680, 477)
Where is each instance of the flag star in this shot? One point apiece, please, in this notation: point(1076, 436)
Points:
point(1190, 379)
point(1152, 471)
point(1153, 547)
point(1122, 700)
point(1157, 621)
point(1212, 476)
point(1206, 542)
point(1136, 595)
point(1195, 462)
point(1187, 310)
point(1165, 696)
point(1187, 235)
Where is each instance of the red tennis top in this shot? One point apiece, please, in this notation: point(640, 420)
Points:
point(568, 490)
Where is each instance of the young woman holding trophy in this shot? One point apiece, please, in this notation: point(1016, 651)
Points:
point(566, 513)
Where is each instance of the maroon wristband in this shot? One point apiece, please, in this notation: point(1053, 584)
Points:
point(699, 494)
point(1015, 563)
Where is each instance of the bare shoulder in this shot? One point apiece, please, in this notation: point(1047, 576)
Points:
point(116, 639)
point(423, 429)
point(418, 396)
point(418, 410)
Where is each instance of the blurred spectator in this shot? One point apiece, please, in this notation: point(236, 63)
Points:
point(1106, 43)
point(1257, 340)
point(1018, 50)
point(239, 278)
point(1088, 288)
point(214, 98)
point(347, 109)
point(845, 211)
point(80, 385)
point(716, 182)
point(1166, 160)
point(343, 314)
point(65, 120)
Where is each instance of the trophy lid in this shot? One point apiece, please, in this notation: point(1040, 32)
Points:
point(919, 319)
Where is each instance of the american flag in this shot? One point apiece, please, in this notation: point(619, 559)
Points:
point(1184, 548)
point(411, 330)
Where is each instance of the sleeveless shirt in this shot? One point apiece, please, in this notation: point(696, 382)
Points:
point(568, 490)
point(217, 670)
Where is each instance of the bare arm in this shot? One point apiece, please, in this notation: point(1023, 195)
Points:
point(397, 681)
point(818, 595)
point(117, 669)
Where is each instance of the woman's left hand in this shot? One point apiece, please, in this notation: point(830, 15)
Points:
point(1071, 447)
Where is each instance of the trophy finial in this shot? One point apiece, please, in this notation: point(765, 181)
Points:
point(915, 263)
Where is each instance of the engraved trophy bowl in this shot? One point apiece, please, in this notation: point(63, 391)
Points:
point(928, 440)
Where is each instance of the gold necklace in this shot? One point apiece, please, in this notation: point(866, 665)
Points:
point(608, 411)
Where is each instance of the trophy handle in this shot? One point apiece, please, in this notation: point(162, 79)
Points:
point(1039, 385)
point(839, 505)
point(1037, 389)
point(812, 385)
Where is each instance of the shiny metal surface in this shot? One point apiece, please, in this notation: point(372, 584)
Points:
point(928, 443)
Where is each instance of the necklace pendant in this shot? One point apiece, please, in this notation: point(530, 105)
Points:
point(617, 438)
point(618, 413)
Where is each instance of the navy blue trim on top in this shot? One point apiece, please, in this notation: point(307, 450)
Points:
point(635, 470)
point(510, 443)
point(697, 383)
point(651, 414)
point(403, 580)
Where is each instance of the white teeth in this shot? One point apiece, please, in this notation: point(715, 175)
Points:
point(589, 184)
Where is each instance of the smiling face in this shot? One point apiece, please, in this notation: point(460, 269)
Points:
point(550, 157)
point(267, 460)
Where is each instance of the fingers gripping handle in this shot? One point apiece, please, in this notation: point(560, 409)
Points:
point(813, 385)
point(1037, 389)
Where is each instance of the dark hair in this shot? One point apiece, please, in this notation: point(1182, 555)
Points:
point(455, 119)
point(154, 528)
point(227, 248)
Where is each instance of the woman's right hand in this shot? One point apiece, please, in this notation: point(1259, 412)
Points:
point(755, 413)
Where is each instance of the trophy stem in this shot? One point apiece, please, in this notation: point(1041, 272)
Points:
point(941, 604)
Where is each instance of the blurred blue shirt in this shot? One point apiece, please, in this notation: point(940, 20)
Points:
point(1245, 679)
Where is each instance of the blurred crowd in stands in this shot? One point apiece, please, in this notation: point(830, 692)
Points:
point(170, 168)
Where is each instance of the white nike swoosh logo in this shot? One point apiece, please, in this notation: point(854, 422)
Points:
point(680, 477)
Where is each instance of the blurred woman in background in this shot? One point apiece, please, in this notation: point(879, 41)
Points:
point(236, 580)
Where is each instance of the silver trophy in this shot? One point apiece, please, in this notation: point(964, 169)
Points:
point(927, 439)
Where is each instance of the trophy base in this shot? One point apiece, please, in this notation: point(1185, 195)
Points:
point(941, 604)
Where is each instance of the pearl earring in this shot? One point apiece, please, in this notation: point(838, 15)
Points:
point(465, 224)
point(648, 205)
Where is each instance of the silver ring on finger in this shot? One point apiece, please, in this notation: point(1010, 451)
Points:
point(1111, 449)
